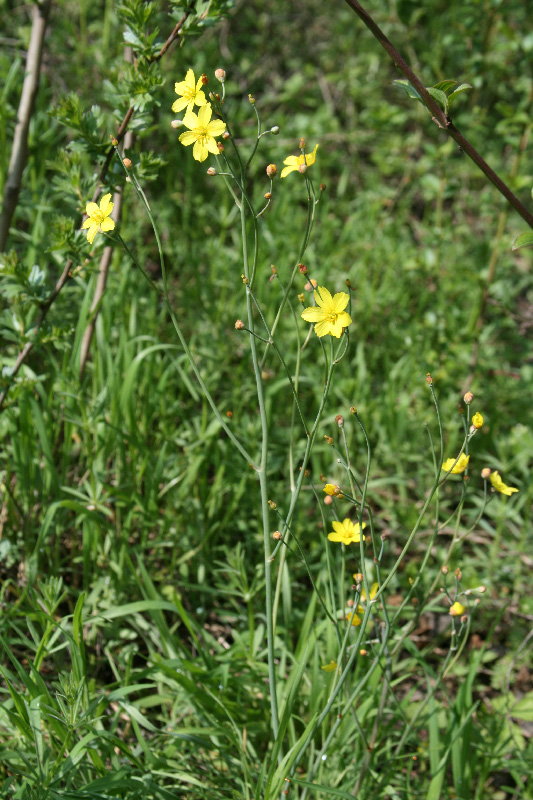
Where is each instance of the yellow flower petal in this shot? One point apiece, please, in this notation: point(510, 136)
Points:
point(461, 465)
point(457, 610)
point(499, 485)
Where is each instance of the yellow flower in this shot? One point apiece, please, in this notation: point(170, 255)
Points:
point(98, 218)
point(328, 314)
point(332, 490)
point(331, 667)
point(499, 485)
point(457, 610)
point(355, 620)
point(293, 162)
point(190, 91)
point(346, 532)
point(201, 132)
point(477, 420)
point(459, 467)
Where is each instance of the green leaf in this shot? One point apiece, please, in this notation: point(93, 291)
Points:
point(460, 89)
point(524, 240)
point(440, 97)
point(445, 86)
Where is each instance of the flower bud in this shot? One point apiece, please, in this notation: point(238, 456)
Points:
point(328, 500)
point(272, 505)
point(310, 285)
point(477, 420)
point(301, 298)
point(339, 420)
point(251, 99)
point(205, 79)
point(114, 140)
point(271, 170)
point(127, 163)
point(268, 195)
point(239, 325)
point(302, 144)
point(225, 135)
point(221, 147)
point(274, 270)
point(211, 171)
point(277, 536)
point(275, 130)
point(458, 574)
point(485, 473)
point(229, 414)
point(220, 74)
point(332, 490)
point(358, 577)
point(353, 410)
point(176, 123)
point(303, 269)
point(322, 187)
point(302, 168)
point(468, 397)
point(445, 569)
point(328, 439)
point(429, 379)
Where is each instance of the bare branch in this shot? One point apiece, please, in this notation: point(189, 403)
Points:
point(19, 152)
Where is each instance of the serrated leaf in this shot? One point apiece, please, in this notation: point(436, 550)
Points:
point(440, 97)
point(460, 89)
point(524, 240)
point(445, 86)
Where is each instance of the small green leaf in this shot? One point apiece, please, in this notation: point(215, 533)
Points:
point(460, 89)
point(524, 240)
point(440, 97)
point(445, 86)
point(409, 90)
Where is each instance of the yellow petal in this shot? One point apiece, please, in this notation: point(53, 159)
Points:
point(323, 296)
point(323, 328)
point(91, 208)
point(340, 301)
point(106, 206)
point(93, 230)
point(216, 128)
point(187, 138)
point(313, 314)
point(179, 105)
point(107, 225)
point(204, 115)
point(200, 151)
point(212, 146)
point(190, 120)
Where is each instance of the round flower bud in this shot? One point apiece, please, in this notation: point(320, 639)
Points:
point(429, 379)
point(310, 285)
point(277, 535)
point(353, 410)
point(221, 147)
point(302, 168)
point(211, 171)
point(268, 195)
point(339, 420)
point(114, 140)
point(468, 398)
point(302, 269)
point(485, 473)
point(271, 170)
point(477, 420)
point(229, 414)
point(239, 325)
point(328, 500)
point(225, 135)
point(127, 163)
point(220, 74)
point(322, 187)
point(251, 99)
point(205, 79)
point(302, 144)
point(176, 123)
point(275, 130)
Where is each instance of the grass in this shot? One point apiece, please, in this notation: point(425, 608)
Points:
point(133, 628)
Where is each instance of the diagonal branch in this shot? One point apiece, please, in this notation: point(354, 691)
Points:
point(19, 152)
point(442, 120)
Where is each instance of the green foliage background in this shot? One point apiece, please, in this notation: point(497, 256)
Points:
point(124, 487)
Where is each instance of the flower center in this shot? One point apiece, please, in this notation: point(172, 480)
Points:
point(98, 217)
point(201, 134)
